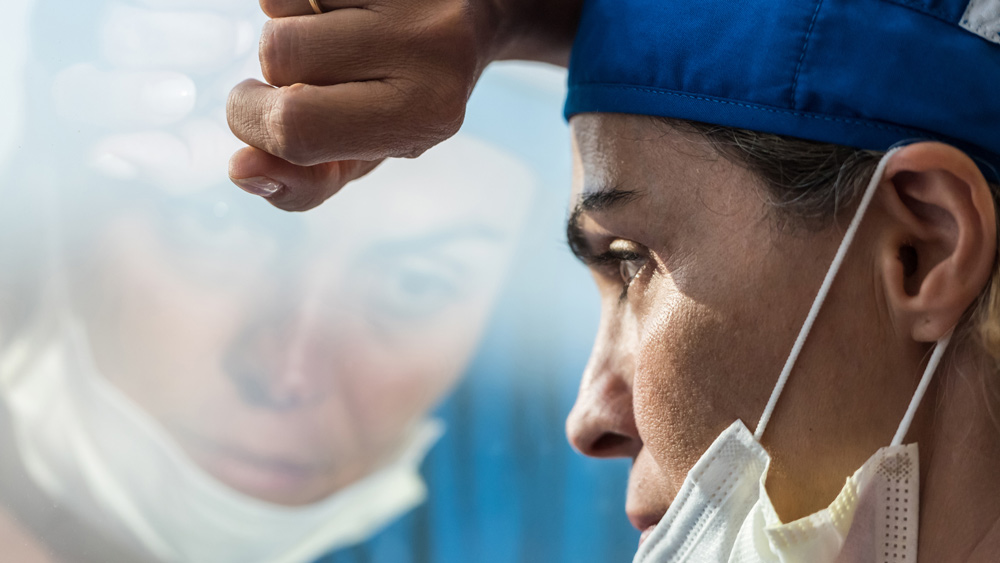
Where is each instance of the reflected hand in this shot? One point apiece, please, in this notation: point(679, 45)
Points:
point(154, 98)
point(371, 79)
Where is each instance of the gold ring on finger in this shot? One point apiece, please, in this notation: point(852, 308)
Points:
point(315, 6)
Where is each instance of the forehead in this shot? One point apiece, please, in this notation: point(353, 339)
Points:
point(686, 193)
point(613, 149)
point(646, 154)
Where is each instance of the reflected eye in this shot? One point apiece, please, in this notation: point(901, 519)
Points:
point(214, 240)
point(201, 227)
point(412, 287)
point(416, 289)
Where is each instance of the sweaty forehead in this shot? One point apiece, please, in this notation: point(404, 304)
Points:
point(679, 189)
point(635, 152)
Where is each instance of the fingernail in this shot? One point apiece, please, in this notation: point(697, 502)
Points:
point(258, 185)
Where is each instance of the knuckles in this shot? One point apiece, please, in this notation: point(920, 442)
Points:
point(275, 51)
point(432, 62)
point(440, 112)
point(292, 128)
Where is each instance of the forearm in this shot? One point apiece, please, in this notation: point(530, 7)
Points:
point(538, 30)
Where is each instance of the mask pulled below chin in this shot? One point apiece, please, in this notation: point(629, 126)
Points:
point(101, 456)
point(723, 514)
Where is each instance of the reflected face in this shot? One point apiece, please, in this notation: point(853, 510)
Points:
point(701, 300)
point(289, 355)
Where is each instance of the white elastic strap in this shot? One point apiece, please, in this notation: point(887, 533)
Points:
point(845, 244)
point(925, 380)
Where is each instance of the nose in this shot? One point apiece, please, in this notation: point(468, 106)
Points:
point(284, 368)
point(602, 423)
point(286, 359)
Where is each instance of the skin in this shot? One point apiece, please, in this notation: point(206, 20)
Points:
point(717, 294)
point(289, 356)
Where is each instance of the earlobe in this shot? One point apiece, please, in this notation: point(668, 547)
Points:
point(940, 247)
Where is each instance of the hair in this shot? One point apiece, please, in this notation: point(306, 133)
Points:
point(809, 183)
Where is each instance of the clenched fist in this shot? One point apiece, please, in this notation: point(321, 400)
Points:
point(372, 79)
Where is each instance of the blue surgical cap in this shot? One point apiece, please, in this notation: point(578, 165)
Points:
point(861, 73)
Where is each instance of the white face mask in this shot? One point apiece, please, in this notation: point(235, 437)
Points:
point(722, 513)
point(97, 453)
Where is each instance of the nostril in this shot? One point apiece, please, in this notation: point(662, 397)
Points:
point(608, 443)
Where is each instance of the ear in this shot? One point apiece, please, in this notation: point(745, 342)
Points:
point(940, 247)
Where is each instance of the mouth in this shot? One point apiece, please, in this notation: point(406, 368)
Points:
point(270, 479)
point(260, 477)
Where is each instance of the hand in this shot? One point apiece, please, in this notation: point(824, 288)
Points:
point(368, 80)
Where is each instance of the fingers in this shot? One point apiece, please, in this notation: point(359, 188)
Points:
point(303, 49)
point(189, 159)
point(287, 8)
point(291, 187)
point(122, 99)
point(199, 42)
point(307, 125)
point(350, 87)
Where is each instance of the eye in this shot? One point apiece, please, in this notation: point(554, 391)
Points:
point(412, 288)
point(628, 270)
point(416, 289)
point(205, 227)
point(630, 257)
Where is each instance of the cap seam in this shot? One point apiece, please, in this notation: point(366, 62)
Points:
point(759, 107)
point(802, 54)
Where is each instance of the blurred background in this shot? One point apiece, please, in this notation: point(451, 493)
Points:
point(189, 375)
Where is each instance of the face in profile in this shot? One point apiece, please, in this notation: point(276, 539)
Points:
point(290, 355)
point(702, 296)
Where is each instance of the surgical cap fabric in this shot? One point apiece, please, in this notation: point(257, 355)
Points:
point(862, 73)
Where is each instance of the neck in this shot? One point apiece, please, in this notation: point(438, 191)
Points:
point(960, 460)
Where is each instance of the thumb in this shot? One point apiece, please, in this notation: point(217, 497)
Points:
point(291, 187)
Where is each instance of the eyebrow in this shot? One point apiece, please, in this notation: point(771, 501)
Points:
point(417, 243)
point(598, 201)
point(435, 243)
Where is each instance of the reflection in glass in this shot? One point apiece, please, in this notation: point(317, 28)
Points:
point(188, 374)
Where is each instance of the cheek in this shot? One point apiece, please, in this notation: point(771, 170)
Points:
point(399, 374)
point(698, 369)
point(155, 333)
point(674, 389)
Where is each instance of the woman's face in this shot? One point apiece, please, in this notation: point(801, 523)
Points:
point(702, 296)
point(290, 354)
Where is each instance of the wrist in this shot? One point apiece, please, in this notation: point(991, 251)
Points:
point(534, 30)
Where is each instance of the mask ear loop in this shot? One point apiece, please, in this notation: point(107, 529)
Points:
point(925, 380)
point(824, 289)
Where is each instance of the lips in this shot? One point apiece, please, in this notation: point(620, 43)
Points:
point(272, 479)
point(650, 493)
point(260, 477)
